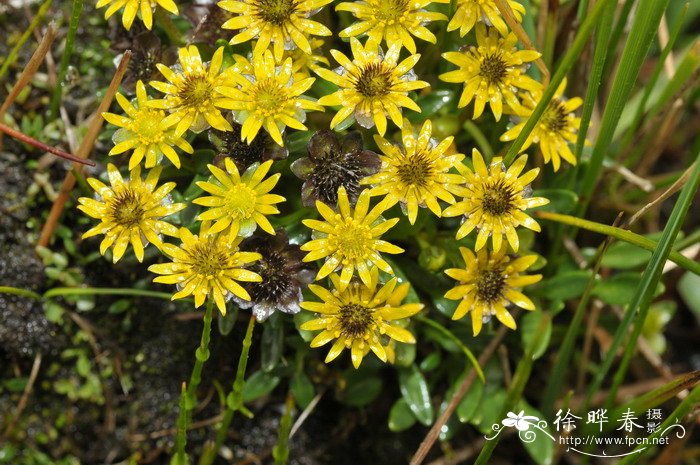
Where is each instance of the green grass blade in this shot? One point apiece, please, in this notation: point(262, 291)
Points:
point(65, 59)
point(639, 306)
point(639, 113)
point(602, 40)
point(566, 63)
point(20, 292)
point(61, 291)
point(14, 53)
point(515, 391)
point(646, 22)
point(623, 235)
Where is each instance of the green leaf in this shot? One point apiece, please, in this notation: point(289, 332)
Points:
point(618, 289)
point(414, 390)
point(689, 289)
point(431, 362)
point(302, 389)
point(401, 417)
point(624, 256)
point(226, 322)
point(490, 410)
point(15, 384)
point(259, 384)
point(564, 286)
point(431, 103)
point(363, 387)
point(529, 331)
point(272, 342)
point(470, 402)
point(560, 200)
point(541, 449)
point(405, 354)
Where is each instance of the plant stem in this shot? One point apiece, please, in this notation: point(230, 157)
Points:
point(622, 234)
point(20, 292)
point(201, 356)
point(61, 291)
point(65, 58)
point(180, 457)
point(281, 450)
point(12, 56)
point(234, 400)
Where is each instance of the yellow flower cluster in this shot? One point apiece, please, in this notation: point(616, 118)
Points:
point(255, 97)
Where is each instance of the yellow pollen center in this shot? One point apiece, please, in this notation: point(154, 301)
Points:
point(196, 90)
point(126, 207)
point(353, 241)
point(146, 125)
point(355, 320)
point(391, 11)
point(270, 98)
point(276, 12)
point(240, 201)
point(208, 259)
point(489, 285)
point(417, 170)
point(374, 81)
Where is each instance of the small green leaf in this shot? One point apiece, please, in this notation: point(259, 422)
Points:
point(529, 331)
point(15, 384)
point(541, 448)
point(405, 354)
point(401, 417)
point(564, 286)
point(363, 387)
point(302, 389)
point(431, 362)
point(431, 103)
point(470, 402)
point(620, 288)
point(560, 200)
point(414, 390)
point(689, 289)
point(259, 384)
point(272, 342)
point(226, 322)
point(490, 408)
point(625, 256)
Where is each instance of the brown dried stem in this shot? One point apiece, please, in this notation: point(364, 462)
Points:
point(41, 146)
point(434, 432)
point(83, 152)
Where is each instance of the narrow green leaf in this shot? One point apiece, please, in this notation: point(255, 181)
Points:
point(471, 401)
point(258, 385)
point(414, 390)
point(303, 389)
point(400, 416)
point(532, 331)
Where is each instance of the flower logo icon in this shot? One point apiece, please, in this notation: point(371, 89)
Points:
point(520, 421)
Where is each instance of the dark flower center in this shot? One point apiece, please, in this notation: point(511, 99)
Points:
point(498, 198)
point(240, 152)
point(493, 68)
point(416, 170)
point(208, 259)
point(277, 284)
point(374, 80)
point(554, 118)
point(126, 209)
point(355, 320)
point(489, 285)
point(276, 12)
point(331, 173)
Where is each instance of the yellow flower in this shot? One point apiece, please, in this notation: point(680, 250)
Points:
point(143, 130)
point(284, 23)
point(207, 266)
point(303, 63)
point(494, 201)
point(557, 127)
point(470, 11)
point(488, 284)
point(359, 317)
point(130, 211)
point(491, 71)
point(373, 86)
point(391, 20)
point(132, 7)
point(349, 239)
point(416, 173)
point(271, 98)
point(239, 203)
point(191, 93)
